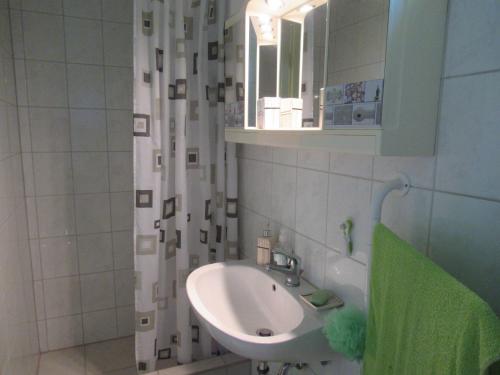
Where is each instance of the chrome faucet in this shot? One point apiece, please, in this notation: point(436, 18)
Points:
point(288, 264)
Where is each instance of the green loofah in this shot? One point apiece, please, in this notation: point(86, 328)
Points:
point(345, 330)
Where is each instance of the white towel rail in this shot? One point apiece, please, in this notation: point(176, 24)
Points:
point(401, 183)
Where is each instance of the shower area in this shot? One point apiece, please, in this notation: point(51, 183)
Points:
point(81, 292)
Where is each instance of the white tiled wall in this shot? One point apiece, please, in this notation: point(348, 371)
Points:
point(18, 327)
point(453, 212)
point(73, 63)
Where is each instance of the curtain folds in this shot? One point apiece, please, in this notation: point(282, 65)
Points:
point(185, 176)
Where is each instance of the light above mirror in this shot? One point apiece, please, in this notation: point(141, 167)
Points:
point(275, 4)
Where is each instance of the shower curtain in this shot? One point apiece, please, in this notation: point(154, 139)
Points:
point(184, 174)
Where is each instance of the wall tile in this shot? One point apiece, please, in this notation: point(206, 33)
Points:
point(121, 171)
point(92, 213)
point(88, 130)
point(85, 9)
point(24, 129)
point(256, 196)
point(255, 152)
point(121, 211)
point(319, 160)
point(124, 284)
point(86, 86)
point(83, 40)
point(39, 300)
point(29, 177)
point(56, 215)
point(126, 320)
point(311, 204)
point(287, 156)
point(351, 164)
point(464, 241)
point(408, 216)
point(53, 173)
point(36, 264)
point(47, 6)
point(59, 257)
point(469, 123)
point(313, 256)
point(248, 232)
point(349, 198)
point(16, 30)
point(5, 29)
point(118, 88)
point(346, 278)
point(95, 253)
point(420, 170)
point(49, 129)
point(90, 172)
point(284, 186)
point(43, 36)
point(42, 336)
point(21, 83)
point(123, 250)
point(62, 296)
point(46, 84)
point(119, 130)
point(117, 46)
point(97, 291)
point(32, 217)
point(118, 10)
point(99, 326)
point(471, 50)
point(64, 332)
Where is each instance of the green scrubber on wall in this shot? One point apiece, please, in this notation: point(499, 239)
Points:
point(345, 330)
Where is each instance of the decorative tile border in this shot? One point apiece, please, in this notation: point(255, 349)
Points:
point(354, 104)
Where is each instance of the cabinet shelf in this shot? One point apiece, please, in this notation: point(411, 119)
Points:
point(361, 141)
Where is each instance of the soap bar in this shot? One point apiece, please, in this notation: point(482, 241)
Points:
point(320, 297)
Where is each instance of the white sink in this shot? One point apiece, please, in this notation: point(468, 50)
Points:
point(236, 299)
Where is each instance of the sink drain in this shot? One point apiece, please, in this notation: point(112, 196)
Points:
point(264, 332)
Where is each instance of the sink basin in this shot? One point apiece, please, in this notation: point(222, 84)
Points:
point(237, 300)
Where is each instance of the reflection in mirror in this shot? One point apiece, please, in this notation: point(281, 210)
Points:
point(290, 59)
point(357, 43)
point(252, 76)
point(268, 62)
point(356, 60)
point(262, 62)
point(313, 64)
point(278, 80)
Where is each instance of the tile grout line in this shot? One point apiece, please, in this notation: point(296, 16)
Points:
point(73, 181)
point(109, 172)
point(37, 235)
point(436, 139)
point(420, 187)
point(30, 255)
point(299, 233)
point(327, 217)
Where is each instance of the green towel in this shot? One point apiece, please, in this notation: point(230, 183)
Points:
point(421, 320)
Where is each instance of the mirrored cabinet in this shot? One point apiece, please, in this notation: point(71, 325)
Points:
point(356, 76)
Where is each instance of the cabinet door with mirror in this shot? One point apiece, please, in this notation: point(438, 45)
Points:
point(285, 63)
point(349, 75)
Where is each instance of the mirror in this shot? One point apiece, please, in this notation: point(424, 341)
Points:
point(356, 61)
point(284, 70)
point(313, 64)
point(289, 83)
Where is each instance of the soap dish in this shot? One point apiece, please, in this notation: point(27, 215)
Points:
point(332, 303)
